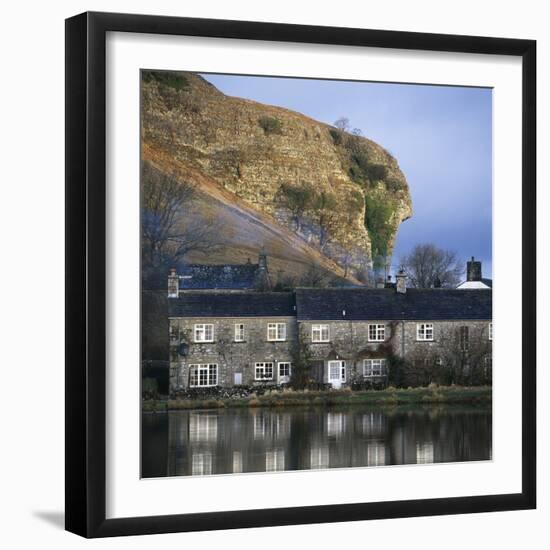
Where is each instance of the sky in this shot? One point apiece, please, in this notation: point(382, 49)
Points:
point(441, 137)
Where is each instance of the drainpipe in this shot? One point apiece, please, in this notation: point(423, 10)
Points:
point(402, 339)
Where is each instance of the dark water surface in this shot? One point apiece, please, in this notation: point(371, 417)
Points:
point(182, 443)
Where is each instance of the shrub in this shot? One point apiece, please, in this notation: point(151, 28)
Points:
point(149, 388)
point(173, 80)
point(393, 184)
point(336, 136)
point(362, 160)
point(377, 171)
point(270, 125)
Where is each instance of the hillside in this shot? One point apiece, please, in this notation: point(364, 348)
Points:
point(247, 159)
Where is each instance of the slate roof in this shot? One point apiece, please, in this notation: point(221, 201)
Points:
point(245, 304)
point(487, 282)
point(387, 304)
point(229, 277)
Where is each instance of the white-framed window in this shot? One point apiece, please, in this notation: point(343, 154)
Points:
point(239, 332)
point(284, 370)
point(490, 331)
point(263, 371)
point(320, 333)
point(276, 332)
point(377, 333)
point(464, 339)
point(204, 333)
point(374, 367)
point(203, 375)
point(425, 332)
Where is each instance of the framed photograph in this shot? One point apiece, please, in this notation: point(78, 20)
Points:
point(300, 274)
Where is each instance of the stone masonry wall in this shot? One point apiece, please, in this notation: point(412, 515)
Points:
point(348, 341)
point(230, 356)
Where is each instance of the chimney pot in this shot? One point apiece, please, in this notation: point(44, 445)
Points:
point(473, 270)
point(401, 282)
point(173, 284)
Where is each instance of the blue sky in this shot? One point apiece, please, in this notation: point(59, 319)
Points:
point(441, 137)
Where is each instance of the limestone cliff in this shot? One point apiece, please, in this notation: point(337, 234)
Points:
point(245, 156)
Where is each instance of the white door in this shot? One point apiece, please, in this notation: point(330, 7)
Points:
point(336, 373)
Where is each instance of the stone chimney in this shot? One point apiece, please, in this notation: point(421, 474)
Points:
point(401, 282)
point(473, 270)
point(173, 284)
point(262, 260)
point(263, 281)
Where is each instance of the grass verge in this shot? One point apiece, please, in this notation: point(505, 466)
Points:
point(289, 398)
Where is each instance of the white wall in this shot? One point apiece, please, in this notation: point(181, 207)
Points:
point(31, 274)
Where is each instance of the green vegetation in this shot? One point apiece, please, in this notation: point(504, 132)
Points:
point(270, 125)
point(336, 135)
point(298, 199)
point(378, 212)
point(393, 184)
point(377, 172)
point(168, 78)
point(290, 398)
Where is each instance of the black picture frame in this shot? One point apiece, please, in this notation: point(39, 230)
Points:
point(86, 274)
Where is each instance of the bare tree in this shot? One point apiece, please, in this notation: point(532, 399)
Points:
point(428, 266)
point(342, 124)
point(171, 226)
point(315, 276)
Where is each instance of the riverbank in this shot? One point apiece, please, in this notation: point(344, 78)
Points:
point(290, 398)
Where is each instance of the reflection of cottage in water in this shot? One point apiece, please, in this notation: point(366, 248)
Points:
point(227, 328)
point(213, 442)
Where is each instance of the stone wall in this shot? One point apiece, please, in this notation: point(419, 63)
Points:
point(231, 357)
point(348, 341)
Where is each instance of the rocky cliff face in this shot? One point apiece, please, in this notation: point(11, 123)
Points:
point(251, 157)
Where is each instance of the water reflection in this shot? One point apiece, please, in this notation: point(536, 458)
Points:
point(264, 440)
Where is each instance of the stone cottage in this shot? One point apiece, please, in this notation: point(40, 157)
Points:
point(226, 338)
